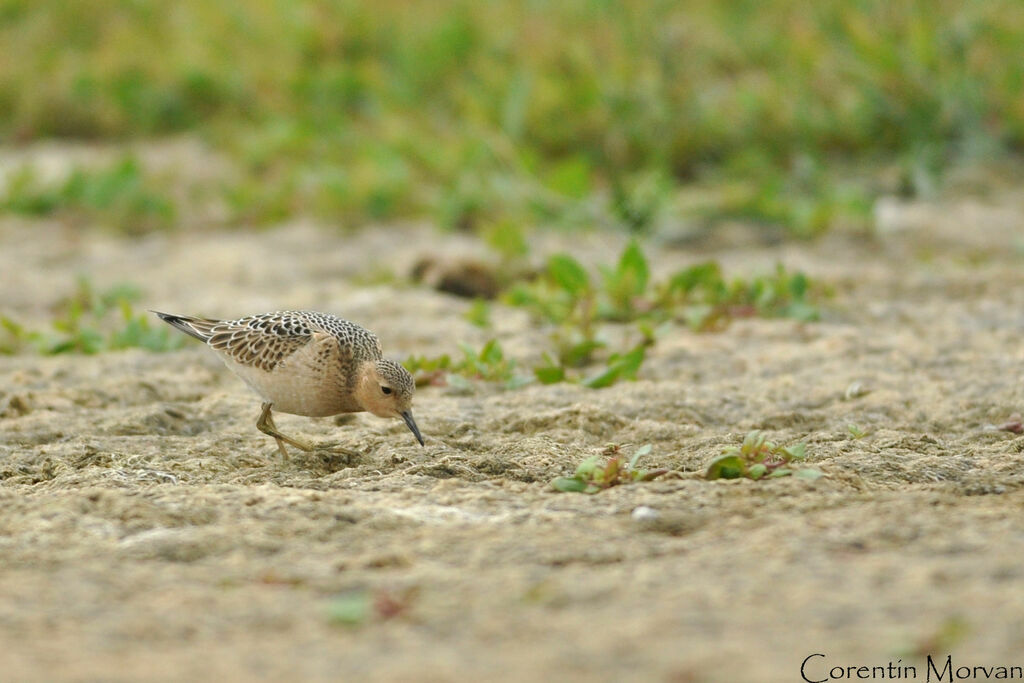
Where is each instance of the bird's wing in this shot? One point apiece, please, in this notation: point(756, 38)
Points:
point(190, 324)
point(261, 341)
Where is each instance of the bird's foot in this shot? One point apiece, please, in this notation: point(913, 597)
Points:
point(335, 448)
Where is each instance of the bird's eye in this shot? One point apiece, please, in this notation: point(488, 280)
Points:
point(386, 390)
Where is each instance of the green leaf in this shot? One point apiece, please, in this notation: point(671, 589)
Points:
point(757, 471)
point(631, 361)
point(479, 314)
point(780, 472)
point(416, 364)
point(579, 354)
point(588, 467)
point(797, 451)
point(808, 473)
point(17, 330)
point(753, 442)
point(491, 354)
point(707, 275)
point(797, 284)
point(522, 296)
point(802, 311)
point(571, 177)
point(518, 381)
point(549, 374)
point(569, 485)
point(350, 609)
point(726, 467)
point(640, 452)
point(507, 239)
point(697, 316)
point(458, 383)
point(569, 274)
point(856, 431)
point(603, 379)
point(633, 271)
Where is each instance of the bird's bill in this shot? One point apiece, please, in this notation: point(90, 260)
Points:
point(407, 416)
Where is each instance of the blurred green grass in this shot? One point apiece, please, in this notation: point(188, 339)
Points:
point(574, 112)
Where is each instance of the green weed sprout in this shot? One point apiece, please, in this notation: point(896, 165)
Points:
point(91, 322)
point(577, 304)
point(759, 458)
point(591, 476)
point(120, 195)
point(488, 364)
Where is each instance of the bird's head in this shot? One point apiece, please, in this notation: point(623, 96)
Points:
point(385, 389)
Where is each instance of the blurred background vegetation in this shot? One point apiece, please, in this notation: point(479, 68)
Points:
point(632, 114)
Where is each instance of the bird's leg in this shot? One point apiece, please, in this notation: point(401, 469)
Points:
point(266, 425)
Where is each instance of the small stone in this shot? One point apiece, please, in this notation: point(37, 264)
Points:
point(644, 513)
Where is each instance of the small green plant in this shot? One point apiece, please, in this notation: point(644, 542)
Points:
point(357, 607)
point(856, 431)
point(91, 322)
point(566, 293)
point(479, 313)
point(14, 337)
point(624, 286)
point(567, 296)
point(759, 458)
point(591, 476)
point(490, 364)
point(806, 201)
point(487, 364)
point(563, 294)
point(508, 240)
point(351, 609)
point(429, 371)
point(699, 295)
point(550, 372)
point(638, 199)
point(576, 304)
point(618, 366)
point(120, 195)
point(705, 300)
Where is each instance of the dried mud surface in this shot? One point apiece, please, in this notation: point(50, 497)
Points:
point(149, 532)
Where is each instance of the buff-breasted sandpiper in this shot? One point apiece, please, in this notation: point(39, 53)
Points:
point(307, 363)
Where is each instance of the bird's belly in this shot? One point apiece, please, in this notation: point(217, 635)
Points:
point(292, 391)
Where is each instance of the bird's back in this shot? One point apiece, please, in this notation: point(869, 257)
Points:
point(264, 340)
point(362, 343)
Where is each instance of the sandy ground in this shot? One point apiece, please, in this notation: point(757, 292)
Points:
point(149, 532)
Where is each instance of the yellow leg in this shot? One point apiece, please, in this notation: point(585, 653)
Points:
point(266, 425)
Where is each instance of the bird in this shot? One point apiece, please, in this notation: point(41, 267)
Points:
point(306, 363)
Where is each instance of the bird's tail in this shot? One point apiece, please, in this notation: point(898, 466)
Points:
point(200, 328)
